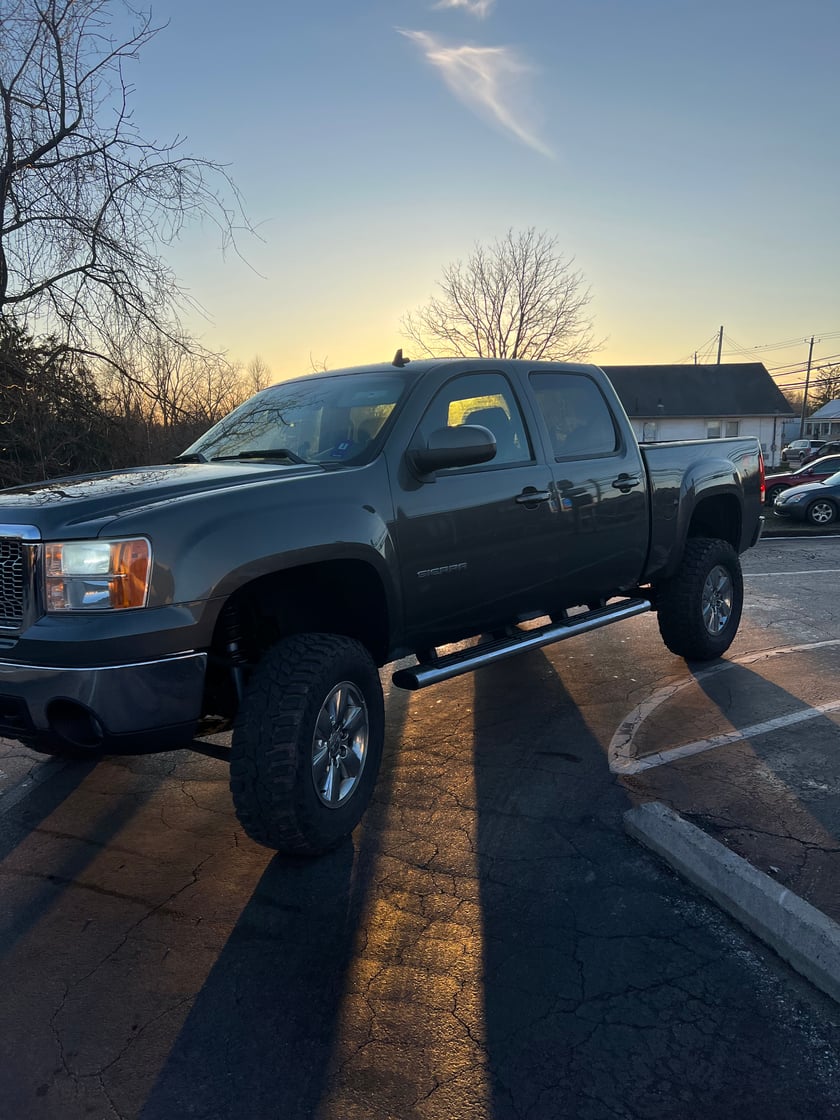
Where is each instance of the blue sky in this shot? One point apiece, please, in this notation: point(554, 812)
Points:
point(685, 154)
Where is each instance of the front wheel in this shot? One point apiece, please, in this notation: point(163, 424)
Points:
point(699, 607)
point(821, 512)
point(307, 743)
point(772, 494)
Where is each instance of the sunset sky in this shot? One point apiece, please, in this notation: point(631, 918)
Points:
point(685, 154)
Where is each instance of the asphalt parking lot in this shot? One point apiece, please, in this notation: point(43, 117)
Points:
point(752, 754)
point(491, 944)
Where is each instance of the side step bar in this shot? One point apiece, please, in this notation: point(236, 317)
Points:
point(487, 653)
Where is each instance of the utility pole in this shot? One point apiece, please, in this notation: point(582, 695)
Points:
point(805, 394)
point(720, 344)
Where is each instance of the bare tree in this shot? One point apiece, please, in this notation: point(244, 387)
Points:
point(165, 393)
point(519, 298)
point(794, 397)
point(51, 417)
point(257, 375)
point(86, 201)
point(825, 387)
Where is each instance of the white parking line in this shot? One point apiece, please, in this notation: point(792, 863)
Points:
point(700, 745)
point(806, 572)
point(620, 754)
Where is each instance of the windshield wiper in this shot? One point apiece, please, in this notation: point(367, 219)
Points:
point(266, 453)
point(193, 457)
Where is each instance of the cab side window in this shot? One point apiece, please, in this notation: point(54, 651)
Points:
point(486, 399)
point(580, 424)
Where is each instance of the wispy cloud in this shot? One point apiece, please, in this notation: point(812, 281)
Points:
point(492, 81)
point(478, 8)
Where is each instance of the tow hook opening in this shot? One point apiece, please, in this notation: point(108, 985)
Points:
point(75, 724)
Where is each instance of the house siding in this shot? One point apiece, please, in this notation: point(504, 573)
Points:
point(681, 399)
point(766, 429)
point(825, 422)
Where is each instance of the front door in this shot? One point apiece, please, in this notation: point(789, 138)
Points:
point(476, 544)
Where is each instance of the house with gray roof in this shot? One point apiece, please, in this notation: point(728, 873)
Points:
point(825, 422)
point(704, 402)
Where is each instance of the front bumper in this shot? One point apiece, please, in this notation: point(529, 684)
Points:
point(150, 705)
point(792, 510)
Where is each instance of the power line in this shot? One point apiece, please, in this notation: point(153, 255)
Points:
point(792, 367)
point(692, 355)
point(707, 346)
point(788, 344)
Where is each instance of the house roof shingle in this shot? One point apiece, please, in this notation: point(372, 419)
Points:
point(733, 389)
point(830, 411)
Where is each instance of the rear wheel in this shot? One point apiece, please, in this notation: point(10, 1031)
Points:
point(307, 743)
point(773, 492)
point(699, 608)
point(821, 512)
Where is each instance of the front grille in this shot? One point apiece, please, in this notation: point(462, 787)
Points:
point(12, 583)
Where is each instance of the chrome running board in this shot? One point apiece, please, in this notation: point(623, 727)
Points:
point(488, 653)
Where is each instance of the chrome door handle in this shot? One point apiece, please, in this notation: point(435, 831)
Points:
point(531, 496)
point(626, 482)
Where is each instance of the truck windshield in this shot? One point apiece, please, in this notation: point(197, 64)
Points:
point(329, 420)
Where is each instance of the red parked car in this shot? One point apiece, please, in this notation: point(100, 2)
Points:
point(812, 472)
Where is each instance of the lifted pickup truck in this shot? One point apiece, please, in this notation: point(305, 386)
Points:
point(341, 522)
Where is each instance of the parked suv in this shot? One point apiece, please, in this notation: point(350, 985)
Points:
point(797, 449)
point(830, 448)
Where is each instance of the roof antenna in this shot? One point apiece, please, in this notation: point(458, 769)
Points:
point(399, 361)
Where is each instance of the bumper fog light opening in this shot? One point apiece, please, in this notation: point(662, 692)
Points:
point(75, 724)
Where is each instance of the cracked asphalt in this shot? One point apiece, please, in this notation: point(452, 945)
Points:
point(489, 946)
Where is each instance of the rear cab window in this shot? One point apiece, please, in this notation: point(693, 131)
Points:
point(579, 421)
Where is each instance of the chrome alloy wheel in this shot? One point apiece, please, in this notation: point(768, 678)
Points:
point(339, 745)
point(718, 595)
point(821, 513)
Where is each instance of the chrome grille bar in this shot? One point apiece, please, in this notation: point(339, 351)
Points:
point(18, 555)
point(12, 583)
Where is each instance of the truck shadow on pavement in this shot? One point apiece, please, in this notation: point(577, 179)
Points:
point(43, 799)
point(489, 945)
point(28, 816)
point(605, 980)
point(261, 1037)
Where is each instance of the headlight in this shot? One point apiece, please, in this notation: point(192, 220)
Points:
point(788, 501)
point(97, 575)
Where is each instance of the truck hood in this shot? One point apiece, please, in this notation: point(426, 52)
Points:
point(84, 501)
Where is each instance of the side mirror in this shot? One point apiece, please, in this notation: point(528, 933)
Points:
point(464, 446)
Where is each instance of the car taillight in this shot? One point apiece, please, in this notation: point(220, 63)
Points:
point(761, 487)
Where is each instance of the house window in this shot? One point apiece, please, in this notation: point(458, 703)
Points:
point(717, 429)
point(649, 431)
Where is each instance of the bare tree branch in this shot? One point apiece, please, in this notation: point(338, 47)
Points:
point(519, 298)
point(87, 203)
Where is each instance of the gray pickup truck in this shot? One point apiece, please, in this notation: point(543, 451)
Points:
point(345, 521)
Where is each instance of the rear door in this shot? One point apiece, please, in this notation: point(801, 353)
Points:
point(601, 486)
